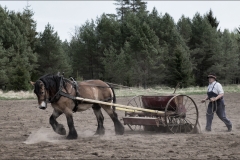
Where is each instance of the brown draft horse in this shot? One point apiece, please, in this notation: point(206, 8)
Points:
point(60, 92)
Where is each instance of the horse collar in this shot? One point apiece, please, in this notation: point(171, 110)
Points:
point(57, 96)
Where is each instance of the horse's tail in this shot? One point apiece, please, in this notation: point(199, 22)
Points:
point(114, 96)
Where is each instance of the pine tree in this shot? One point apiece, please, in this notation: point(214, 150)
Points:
point(144, 47)
point(114, 65)
point(137, 5)
point(204, 46)
point(236, 36)
point(108, 31)
point(227, 72)
point(20, 80)
point(172, 44)
point(67, 51)
point(184, 28)
point(180, 68)
point(18, 53)
point(3, 70)
point(238, 31)
point(122, 9)
point(86, 55)
point(212, 20)
point(50, 50)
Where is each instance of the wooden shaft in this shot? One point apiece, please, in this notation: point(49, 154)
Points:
point(121, 106)
point(141, 113)
point(128, 110)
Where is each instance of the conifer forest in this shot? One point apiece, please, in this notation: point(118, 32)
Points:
point(133, 47)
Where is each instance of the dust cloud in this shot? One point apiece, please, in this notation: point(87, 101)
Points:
point(43, 135)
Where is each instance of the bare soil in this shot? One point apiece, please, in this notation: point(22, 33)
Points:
point(25, 133)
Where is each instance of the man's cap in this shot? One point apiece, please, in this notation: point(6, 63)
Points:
point(212, 75)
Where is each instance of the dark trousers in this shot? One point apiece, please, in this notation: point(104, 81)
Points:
point(220, 111)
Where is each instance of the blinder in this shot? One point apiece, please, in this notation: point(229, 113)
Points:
point(38, 91)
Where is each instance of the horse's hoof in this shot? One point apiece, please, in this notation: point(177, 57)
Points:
point(120, 131)
point(72, 136)
point(61, 130)
point(100, 132)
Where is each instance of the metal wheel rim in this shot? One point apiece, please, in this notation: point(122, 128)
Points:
point(134, 127)
point(182, 121)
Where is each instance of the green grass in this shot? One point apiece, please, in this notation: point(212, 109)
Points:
point(133, 91)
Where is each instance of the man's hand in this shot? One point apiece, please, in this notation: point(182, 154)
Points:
point(204, 100)
point(213, 99)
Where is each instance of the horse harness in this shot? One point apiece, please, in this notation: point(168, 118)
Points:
point(60, 93)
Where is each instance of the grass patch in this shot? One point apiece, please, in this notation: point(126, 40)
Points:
point(133, 91)
point(11, 95)
point(4, 98)
point(167, 91)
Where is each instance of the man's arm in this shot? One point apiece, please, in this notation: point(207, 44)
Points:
point(204, 99)
point(216, 98)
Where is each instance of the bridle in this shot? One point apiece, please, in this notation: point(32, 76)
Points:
point(45, 99)
point(55, 97)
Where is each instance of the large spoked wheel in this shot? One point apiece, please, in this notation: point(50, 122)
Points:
point(181, 114)
point(135, 102)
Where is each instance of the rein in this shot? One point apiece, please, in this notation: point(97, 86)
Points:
point(212, 108)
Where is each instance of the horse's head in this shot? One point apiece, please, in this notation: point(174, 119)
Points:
point(46, 88)
point(41, 93)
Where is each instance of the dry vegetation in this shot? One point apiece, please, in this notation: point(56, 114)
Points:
point(133, 91)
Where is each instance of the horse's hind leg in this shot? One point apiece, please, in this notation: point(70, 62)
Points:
point(100, 119)
point(58, 128)
point(119, 128)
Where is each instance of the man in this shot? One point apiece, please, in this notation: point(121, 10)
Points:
point(215, 96)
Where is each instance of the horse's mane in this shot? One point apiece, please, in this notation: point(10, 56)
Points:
point(51, 83)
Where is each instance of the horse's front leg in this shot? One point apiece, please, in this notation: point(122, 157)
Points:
point(72, 131)
point(58, 128)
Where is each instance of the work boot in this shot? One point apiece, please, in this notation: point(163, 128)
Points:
point(230, 129)
point(207, 130)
